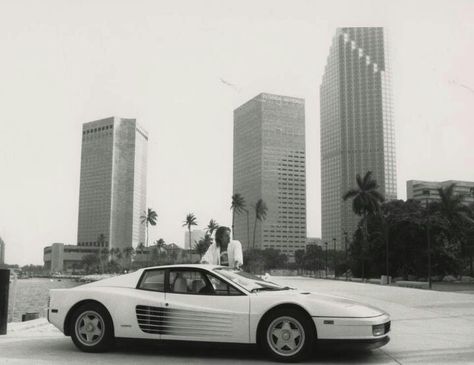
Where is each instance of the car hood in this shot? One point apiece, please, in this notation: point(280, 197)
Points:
point(325, 305)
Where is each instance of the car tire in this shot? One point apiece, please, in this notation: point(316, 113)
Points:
point(287, 335)
point(92, 328)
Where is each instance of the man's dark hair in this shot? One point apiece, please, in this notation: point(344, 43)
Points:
point(220, 234)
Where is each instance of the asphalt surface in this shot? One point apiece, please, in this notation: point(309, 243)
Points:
point(428, 327)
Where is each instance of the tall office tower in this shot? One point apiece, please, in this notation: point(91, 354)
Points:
point(357, 133)
point(269, 164)
point(113, 183)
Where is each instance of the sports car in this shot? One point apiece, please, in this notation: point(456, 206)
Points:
point(211, 303)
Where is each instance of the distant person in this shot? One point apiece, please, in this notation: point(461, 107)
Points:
point(224, 251)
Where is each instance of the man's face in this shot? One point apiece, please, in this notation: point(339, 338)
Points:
point(226, 238)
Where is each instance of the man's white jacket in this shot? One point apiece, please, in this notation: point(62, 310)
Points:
point(234, 252)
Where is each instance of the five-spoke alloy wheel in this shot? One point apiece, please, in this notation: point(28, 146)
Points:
point(92, 329)
point(287, 335)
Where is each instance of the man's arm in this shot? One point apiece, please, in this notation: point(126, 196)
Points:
point(208, 256)
point(238, 255)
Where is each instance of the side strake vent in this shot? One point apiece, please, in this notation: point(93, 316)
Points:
point(180, 322)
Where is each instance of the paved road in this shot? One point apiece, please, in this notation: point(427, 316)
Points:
point(428, 327)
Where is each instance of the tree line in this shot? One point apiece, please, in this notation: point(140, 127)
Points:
point(116, 260)
point(410, 238)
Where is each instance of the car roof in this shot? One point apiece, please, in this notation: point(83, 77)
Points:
point(134, 277)
point(175, 266)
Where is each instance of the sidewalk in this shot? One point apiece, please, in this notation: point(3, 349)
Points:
point(35, 328)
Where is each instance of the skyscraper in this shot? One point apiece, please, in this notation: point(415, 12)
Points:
point(113, 183)
point(357, 132)
point(269, 164)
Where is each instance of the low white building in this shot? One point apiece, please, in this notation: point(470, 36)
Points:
point(65, 258)
point(424, 191)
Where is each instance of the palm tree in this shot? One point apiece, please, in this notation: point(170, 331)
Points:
point(128, 253)
point(456, 213)
point(238, 206)
point(202, 246)
point(160, 246)
point(260, 215)
point(149, 218)
point(452, 208)
point(212, 226)
point(189, 222)
point(140, 250)
point(90, 262)
point(113, 252)
point(115, 255)
point(471, 237)
point(366, 200)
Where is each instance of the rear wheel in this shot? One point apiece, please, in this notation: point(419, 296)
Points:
point(287, 335)
point(92, 328)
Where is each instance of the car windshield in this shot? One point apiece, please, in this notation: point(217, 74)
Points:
point(248, 281)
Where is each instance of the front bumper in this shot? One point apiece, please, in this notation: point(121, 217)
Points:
point(366, 344)
point(349, 328)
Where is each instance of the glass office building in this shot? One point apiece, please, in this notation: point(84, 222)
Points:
point(269, 164)
point(357, 127)
point(113, 183)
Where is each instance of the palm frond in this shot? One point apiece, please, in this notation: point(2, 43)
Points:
point(367, 178)
point(377, 195)
point(371, 185)
point(261, 210)
point(359, 181)
point(350, 194)
point(238, 203)
point(190, 220)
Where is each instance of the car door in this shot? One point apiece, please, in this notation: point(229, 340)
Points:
point(200, 306)
point(148, 304)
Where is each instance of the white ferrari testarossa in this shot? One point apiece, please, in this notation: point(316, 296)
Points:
point(211, 304)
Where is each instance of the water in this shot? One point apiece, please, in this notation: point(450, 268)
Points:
point(31, 296)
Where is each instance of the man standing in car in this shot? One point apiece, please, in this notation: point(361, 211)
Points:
point(224, 251)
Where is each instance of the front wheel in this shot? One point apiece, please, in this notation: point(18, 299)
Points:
point(287, 335)
point(92, 329)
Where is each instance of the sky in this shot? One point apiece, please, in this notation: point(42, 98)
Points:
point(169, 65)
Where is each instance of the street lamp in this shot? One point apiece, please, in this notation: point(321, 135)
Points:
point(428, 238)
point(345, 248)
point(385, 237)
point(326, 259)
point(335, 261)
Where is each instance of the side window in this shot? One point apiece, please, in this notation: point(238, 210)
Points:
point(198, 283)
point(153, 280)
point(220, 287)
point(187, 282)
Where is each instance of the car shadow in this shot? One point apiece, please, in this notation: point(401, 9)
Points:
point(188, 349)
point(225, 351)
